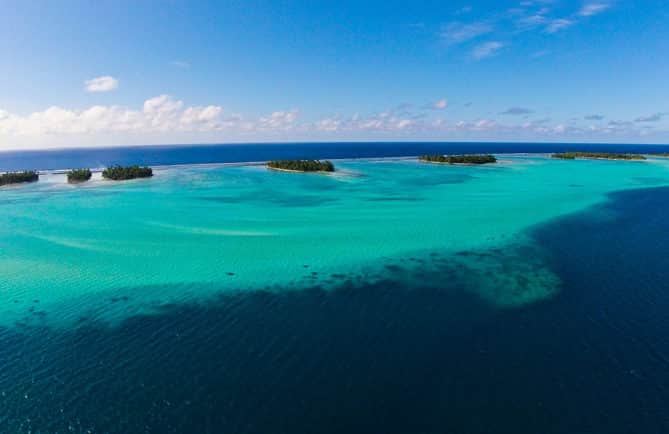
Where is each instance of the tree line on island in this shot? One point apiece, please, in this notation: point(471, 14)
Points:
point(18, 177)
point(122, 173)
point(302, 165)
point(114, 173)
point(459, 159)
point(597, 156)
point(79, 175)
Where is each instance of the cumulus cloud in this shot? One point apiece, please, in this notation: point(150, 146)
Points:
point(516, 111)
point(159, 114)
point(590, 9)
point(487, 49)
point(165, 119)
point(385, 122)
point(278, 121)
point(105, 83)
point(201, 115)
point(162, 104)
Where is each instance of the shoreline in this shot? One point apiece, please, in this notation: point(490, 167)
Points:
point(457, 164)
point(276, 169)
point(601, 159)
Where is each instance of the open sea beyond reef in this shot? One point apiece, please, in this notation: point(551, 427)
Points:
point(393, 296)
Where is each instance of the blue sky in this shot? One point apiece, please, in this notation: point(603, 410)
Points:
point(103, 73)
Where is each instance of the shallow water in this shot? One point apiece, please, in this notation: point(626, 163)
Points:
point(393, 297)
point(190, 233)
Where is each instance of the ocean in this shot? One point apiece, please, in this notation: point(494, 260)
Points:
point(393, 296)
point(232, 153)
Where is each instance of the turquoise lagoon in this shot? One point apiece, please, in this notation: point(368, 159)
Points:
point(106, 250)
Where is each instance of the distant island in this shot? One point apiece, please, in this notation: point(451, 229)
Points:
point(78, 175)
point(121, 173)
point(301, 165)
point(659, 154)
point(459, 159)
point(597, 156)
point(18, 177)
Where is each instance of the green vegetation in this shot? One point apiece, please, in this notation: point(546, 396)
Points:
point(459, 159)
point(120, 173)
point(302, 165)
point(18, 177)
point(79, 175)
point(597, 155)
point(659, 154)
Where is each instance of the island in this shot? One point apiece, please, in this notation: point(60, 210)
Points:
point(301, 165)
point(18, 177)
point(78, 175)
point(659, 154)
point(597, 156)
point(122, 173)
point(459, 159)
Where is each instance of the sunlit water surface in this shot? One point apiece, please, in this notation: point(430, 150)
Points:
point(391, 296)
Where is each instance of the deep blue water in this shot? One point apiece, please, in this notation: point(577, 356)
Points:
point(379, 358)
point(192, 154)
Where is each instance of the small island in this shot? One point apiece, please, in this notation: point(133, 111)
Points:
point(122, 173)
point(459, 159)
point(597, 156)
point(659, 154)
point(18, 177)
point(301, 165)
point(78, 175)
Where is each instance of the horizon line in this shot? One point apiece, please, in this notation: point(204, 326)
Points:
point(206, 144)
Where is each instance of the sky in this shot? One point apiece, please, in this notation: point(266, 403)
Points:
point(106, 73)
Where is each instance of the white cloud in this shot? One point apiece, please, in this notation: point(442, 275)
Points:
point(532, 20)
point(510, 24)
point(384, 122)
point(487, 49)
point(457, 33)
point(590, 9)
point(559, 24)
point(403, 123)
point(193, 115)
point(279, 120)
point(161, 113)
point(101, 84)
point(440, 105)
point(164, 119)
point(162, 104)
point(329, 124)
